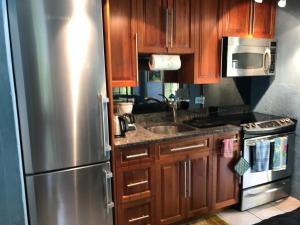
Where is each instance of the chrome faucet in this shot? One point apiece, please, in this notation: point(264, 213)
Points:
point(171, 104)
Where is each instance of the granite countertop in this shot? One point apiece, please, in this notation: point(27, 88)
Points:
point(144, 136)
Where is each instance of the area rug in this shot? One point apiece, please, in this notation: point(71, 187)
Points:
point(290, 218)
point(211, 220)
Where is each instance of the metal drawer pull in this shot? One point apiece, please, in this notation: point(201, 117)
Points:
point(190, 178)
point(185, 179)
point(167, 28)
point(138, 219)
point(189, 147)
point(172, 27)
point(137, 56)
point(137, 183)
point(137, 155)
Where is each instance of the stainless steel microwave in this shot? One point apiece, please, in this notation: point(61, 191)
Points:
point(248, 57)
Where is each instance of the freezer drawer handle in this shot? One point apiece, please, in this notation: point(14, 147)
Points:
point(138, 219)
point(137, 183)
point(189, 147)
point(109, 204)
point(105, 127)
point(137, 155)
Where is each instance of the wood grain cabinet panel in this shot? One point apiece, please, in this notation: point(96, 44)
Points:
point(226, 181)
point(243, 18)
point(182, 25)
point(137, 213)
point(120, 26)
point(264, 19)
point(199, 188)
point(208, 40)
point(152, 25)
point(236, 17)
point(136, 182)
point(170, 192)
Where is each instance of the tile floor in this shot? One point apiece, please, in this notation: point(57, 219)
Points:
point(252, 216)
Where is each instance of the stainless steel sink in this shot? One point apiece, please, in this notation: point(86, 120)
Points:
point(171, 128)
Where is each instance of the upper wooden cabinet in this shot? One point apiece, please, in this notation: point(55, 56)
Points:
point(152, 29)
point(236, 17)
point(208, 40)
point(264, 19)
point(243, 18)
point(166, 26)
point(121, 42)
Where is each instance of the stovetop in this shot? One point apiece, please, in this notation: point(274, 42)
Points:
point(235, 119)
point(250, 122)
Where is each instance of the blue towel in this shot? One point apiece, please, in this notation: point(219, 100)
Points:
point(280, 153)
point(277, 154)
point(262, 155)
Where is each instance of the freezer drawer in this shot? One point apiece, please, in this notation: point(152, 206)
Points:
point(79, 196)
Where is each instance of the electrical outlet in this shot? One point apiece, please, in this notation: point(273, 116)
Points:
point(199, 100)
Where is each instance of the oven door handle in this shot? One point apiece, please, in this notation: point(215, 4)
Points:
point(268, 137)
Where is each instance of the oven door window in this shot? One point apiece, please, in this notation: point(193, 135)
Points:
point(247, 61)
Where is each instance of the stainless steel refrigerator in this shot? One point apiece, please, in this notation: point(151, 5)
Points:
point(59, 68)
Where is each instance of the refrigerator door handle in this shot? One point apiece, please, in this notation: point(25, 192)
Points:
point(108, 191)
point(103, 102)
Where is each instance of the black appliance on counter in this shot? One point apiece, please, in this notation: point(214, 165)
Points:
point(261, 187)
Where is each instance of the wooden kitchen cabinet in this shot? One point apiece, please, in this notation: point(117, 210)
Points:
point(137, 213)
point(208, 39)
point(199, 179)
point(152, 27)
point(121, 37)
point(182, 26)
point(166, 26)
point(236, 17)
point(172, 181)
point(264, 19)
point(243, 18)
point(171, 178)
point(183, 179)
point(135, 185)
point(226, 181)
point(203, 67)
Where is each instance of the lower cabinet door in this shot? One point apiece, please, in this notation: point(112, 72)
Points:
point(136, 213)
point(226, 183)
point(199, 184)
point(171, 191)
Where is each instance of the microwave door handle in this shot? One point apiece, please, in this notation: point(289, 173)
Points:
point(267, 61)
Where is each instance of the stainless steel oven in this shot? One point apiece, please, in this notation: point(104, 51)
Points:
point(248, 57)
point(271, 183)
point(252, 178)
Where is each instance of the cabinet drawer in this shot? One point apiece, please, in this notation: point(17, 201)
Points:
point(135, 183)
point(134, 155)
point(218, 140)
point(137, 213)
point(182, 145)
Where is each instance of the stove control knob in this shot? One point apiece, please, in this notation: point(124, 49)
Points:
point(282, 121)
point(253, 125)
point(287, 120)
point(247, 126)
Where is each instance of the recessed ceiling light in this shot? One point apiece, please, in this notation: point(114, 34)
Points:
point(282, 3)
point(258, 1)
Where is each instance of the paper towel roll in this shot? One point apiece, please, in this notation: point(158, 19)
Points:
point(165, 62)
